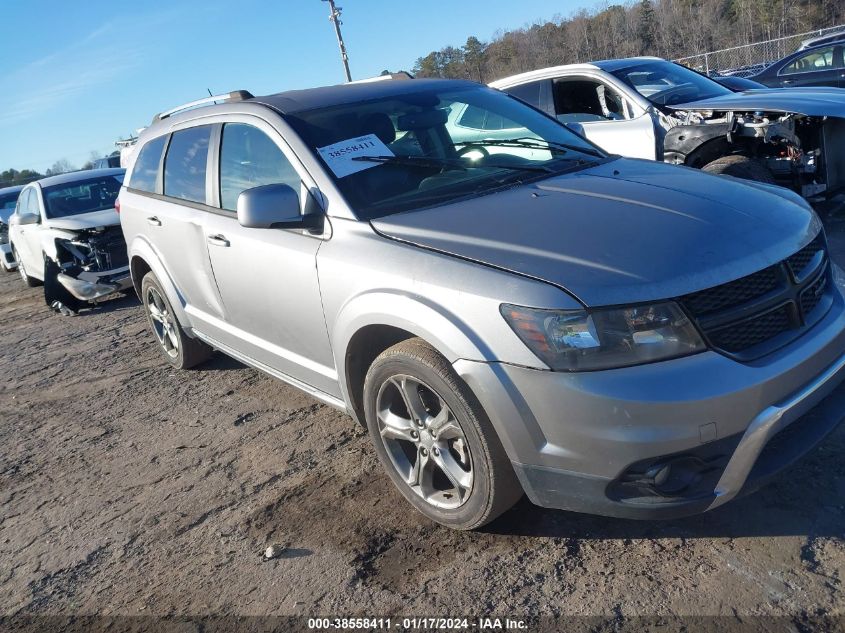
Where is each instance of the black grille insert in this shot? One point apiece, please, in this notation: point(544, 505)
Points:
point(754, 315)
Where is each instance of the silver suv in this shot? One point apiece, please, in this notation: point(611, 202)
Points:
point(506, 313)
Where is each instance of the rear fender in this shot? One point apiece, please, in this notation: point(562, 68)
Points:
point(143, 250)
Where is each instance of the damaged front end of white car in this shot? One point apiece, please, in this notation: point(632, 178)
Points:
point(85, 265)
point(794, 137)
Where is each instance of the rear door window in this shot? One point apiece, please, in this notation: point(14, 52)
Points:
point(821, 59)
point(249, 158)
point(145, 173)
point(186, 164)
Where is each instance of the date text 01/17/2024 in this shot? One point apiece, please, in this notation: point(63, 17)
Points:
point(417, 624)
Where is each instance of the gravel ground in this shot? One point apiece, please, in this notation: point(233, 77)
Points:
point(128, 488)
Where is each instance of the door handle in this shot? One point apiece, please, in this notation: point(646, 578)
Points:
point(153, 221)
point(786, 82)
point(217, 240)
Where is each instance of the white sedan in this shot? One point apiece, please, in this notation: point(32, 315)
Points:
point(65, 233)
point(647, 107)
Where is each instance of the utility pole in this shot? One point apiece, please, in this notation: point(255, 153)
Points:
point(334, 16)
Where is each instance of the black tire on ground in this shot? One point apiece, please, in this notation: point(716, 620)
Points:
point(187, 352)
point(740, 166)
point(495, 487)
point(29, 281)
point(55, 291)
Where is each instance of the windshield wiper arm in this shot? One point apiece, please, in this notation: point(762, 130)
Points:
point(447, 162)
point(534, 143)
point(422, 161)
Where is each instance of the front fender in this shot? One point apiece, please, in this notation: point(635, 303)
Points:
point(146, 252)
point(441, 328)
point(48, 239)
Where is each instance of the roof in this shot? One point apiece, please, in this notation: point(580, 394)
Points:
point(540, 73)
point(611, 65)
point(75, 176)
point(7, 190)
point(310, 99)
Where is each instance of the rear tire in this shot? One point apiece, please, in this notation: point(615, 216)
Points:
point(444, 455)
point(740, 166)
point(29, 281)
point(179, 350)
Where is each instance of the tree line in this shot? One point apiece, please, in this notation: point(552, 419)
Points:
point(665, 28)
point(14, 177)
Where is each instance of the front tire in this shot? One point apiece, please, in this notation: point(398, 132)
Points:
point(29, 281)
point(740, 166)
point(180, 350)
point(434, 439)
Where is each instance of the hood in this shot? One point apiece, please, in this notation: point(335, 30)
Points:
point(807, 101)
point(623, 232)
point(107, 217)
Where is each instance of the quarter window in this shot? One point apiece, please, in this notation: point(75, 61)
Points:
point(249, 158)
point(185, 164)
point(145, 173)
point(821, 59)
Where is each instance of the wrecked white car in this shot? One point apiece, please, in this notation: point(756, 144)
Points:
point(648, 107)
point(65, 233)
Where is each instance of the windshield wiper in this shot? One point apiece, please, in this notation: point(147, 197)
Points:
point(421, 161)
point(428, 161)
point(533, 143)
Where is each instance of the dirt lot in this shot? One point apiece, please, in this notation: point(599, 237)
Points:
point(130, 489)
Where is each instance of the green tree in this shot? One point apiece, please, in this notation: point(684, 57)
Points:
point(647, 28)
point(474, 58)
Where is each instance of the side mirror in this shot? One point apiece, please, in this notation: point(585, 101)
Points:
point(26, 218)
point(274, 207)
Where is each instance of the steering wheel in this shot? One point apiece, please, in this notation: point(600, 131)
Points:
point(672, 91)
point(466, 149)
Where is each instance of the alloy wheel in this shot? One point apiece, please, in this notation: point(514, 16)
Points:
point(164, 326)
point(424, 441)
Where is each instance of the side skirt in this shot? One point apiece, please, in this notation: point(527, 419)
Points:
point(330, 400)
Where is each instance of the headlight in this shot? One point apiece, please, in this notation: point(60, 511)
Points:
point(581, 340)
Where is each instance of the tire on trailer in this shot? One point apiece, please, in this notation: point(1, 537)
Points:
point(180, 350)
point(740, 166)
point(419, 411)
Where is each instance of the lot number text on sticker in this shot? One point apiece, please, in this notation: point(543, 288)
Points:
point(338, 156)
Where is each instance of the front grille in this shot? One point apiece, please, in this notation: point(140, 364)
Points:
point(754, 315)
point(799, 261)
point(811, 297)
point(740, 336)
point(733, 293)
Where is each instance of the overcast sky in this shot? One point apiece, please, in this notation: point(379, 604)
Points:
point(78, 75)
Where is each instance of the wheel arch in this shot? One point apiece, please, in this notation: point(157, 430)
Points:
point(144, 259)
point(696, 145)
point(371, 323)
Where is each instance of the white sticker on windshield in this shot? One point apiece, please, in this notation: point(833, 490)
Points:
point(340, 156)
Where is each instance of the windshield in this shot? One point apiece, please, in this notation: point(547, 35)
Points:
point(437, 145)
point(7, 205)
point(82, 196)
point(665, 83)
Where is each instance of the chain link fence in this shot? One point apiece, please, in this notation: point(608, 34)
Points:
point(747, 60)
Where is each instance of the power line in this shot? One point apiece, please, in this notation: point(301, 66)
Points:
point(334, 16)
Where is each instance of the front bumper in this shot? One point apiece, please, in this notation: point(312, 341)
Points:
point(8, 259)
point(89, 286)
point(668, 439)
